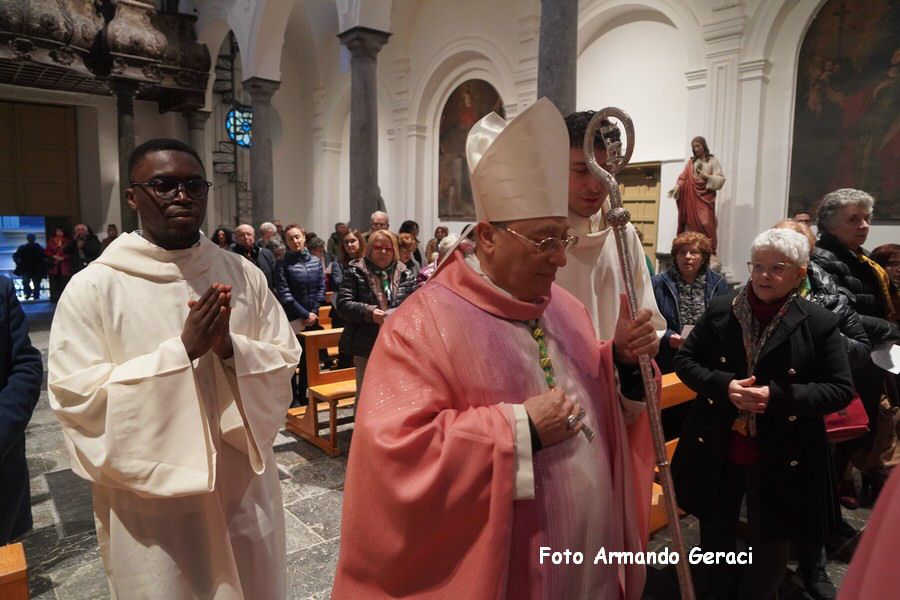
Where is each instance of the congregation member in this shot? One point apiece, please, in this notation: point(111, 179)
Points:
point(843, 219)
point(333, 247)
point(767, 366)
point(592, 273)
point(412, 228)
point(888, 256)
point(471, 448)
point(222, 238)
point(371, 288)
point(300, 288)
point(279, 229)
point(171, 414)
point(377, 221)
point(447, 244)
point(803, 217)
point(820, 288)
point(59, 268)
point(266, 231)
point(408, 246)
point(112, 232)
point(20, 388)
point(695, 192)
point(440, 232)
point(352, 248)
point(30, 266)
point(683, 291)
point(261, 257)
point(83, 248)
point(277, 247)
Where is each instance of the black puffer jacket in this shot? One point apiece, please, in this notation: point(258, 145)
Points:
point(825, 293)
point(358, 298)
point(300, 284)
point(848, 272)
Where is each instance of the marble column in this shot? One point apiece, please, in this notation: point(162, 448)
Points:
point(125, 91)
point(364, 45)
point(558, 53)
point(261, 176)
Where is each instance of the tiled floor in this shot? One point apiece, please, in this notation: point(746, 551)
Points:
point(63, 559)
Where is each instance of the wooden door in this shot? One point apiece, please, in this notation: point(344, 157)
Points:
point(38, 161)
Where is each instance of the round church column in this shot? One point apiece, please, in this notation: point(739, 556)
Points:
point(125, 91)
point(364, 45)
point(261, 176)
point(558, 53)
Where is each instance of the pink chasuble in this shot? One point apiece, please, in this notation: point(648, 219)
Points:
point(428, 503)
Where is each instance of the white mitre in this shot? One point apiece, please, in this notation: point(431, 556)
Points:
point(520, 169)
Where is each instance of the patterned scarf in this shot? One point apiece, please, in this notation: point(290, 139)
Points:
point(754, 338)
point(884, 285)
point(691, 297)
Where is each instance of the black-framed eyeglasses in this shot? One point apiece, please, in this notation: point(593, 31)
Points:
point(549, 245)
point(167, 188)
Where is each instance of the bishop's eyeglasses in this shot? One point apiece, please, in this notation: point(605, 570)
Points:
point(546, 246)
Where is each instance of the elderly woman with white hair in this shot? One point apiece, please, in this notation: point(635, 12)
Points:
point(844, 217)
point(767, 366)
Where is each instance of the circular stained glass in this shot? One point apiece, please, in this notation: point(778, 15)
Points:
point(238, 124)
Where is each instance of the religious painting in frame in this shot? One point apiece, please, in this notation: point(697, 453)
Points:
point(847, 113)
point(468, 103)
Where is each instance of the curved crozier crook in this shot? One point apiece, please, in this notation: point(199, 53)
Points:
point(615, 161)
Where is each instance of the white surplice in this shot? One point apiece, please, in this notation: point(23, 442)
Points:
point(186, 494)
point(592, 274)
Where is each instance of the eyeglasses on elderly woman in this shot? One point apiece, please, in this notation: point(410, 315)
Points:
point(774, 270)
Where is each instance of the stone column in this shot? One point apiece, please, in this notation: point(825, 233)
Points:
point(261, 177)
point(125, 91)
point(364, 45)
point(558, 53)
point(196, 122)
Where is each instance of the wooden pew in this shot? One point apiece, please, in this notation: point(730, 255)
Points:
point(325, 316)
point(327, 391)
point(13, 573)
point(674, 392)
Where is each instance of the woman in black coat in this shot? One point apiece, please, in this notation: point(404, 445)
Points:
point(844, 217)
point(21, 371)
point(767, 366)
point(371, 287)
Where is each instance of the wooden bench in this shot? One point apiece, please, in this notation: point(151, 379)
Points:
point(325, 316)
point(13, 573)
point(327, 391)
point(674, 392)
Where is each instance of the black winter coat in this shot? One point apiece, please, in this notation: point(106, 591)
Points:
point(826, 294)
point(357, 300)
point(21, 372)
point(300, 284)
point(851, 274)
point(805, 366)
point(91, 250)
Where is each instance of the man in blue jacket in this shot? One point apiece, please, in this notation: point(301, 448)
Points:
point(21, 371)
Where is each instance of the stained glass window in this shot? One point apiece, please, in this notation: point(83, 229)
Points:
point(238, 124)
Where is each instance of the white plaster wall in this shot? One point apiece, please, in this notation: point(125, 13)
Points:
point(639, 67)
point(292, 148)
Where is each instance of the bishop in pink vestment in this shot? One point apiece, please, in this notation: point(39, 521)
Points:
point(429, 508)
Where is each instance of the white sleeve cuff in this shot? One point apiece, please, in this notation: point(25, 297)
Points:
point(523, 469)
point(631, 409)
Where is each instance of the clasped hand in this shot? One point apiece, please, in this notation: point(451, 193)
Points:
point(746, 396)
point(207, 326)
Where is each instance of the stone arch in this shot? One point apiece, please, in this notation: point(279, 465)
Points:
point(597, 15)
point(212, 32)
point(265, 38)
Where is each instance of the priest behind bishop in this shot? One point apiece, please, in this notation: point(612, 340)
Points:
point(592, 273)
point(495, 423)
point(169, 369)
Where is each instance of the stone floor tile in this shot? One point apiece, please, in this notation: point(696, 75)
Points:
point(319, 477)
point(322, 514)
point(298, 535)
point(82, 582)
point(311, 571)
